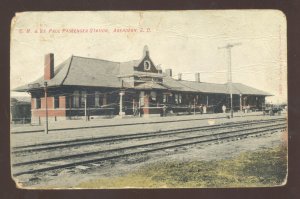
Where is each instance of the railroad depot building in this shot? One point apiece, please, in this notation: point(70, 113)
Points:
point(90, 87)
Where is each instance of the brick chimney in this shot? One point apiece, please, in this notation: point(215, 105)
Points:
point(145, 51)
point(179, 76)
point(49, 66)
point(197, 77)
point(168, 72)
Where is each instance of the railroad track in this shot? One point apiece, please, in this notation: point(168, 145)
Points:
point(69, 161)
point(108, 139)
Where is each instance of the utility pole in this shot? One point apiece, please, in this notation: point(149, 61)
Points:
point(228, 47)
point(85, 106)
point(46, 104)
point(194, 106)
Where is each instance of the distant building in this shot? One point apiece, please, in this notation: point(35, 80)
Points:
point(20, 109)
point(85, 86)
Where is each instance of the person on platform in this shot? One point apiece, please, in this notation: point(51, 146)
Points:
point(204, 109)
point(164, 110)
point(201, 109)
point(135, 110)
point(248, 108)
point(224, 108)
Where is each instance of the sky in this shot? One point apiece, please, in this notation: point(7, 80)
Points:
point(186, 41)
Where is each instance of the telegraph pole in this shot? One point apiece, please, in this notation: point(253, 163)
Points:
point(228, 47)
point(122, 93)
point(194, 106)
point(46, 103)
point(85, 106)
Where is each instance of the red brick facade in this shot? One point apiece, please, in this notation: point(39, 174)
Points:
point(146, 104)
point(50, 103)
point(51, 113)
point(62, 101)
point(32, 103)
point(58, 112)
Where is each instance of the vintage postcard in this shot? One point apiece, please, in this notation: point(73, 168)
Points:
point(149, 99)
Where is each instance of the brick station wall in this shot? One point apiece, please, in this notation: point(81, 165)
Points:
point(62, 102)
point(32, 103)
point(52, 112)
point(50, 103)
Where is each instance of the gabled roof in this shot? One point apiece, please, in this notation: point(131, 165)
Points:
point(90, 72)
point(81, 71)
point(60, 73)
point(239, 88)
point(127, 68)
point(176, 85)
point(204, 87)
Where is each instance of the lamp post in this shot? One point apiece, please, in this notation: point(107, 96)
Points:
point(46, 108)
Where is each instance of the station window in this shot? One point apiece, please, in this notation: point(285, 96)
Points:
point(68, 99)
point(179, 98)
point(38, 103)
point(165, 98)
point(97, 96)
point(98, 99)
point(56, 102)
point(76, 99)
point(83, 98)
point(153, 95)
point(105, 98)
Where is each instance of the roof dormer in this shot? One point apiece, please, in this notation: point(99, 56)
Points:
point(146, 64)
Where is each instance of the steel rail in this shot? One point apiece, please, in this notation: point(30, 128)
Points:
point(133, 134)
point(275, 127)
point(87, 141)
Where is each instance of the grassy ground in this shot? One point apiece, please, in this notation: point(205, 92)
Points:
point(260, 168)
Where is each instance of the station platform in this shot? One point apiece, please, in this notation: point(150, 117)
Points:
point(119, 121)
